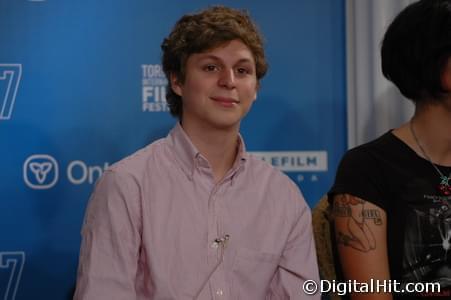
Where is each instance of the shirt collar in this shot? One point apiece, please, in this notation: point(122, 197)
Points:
point(188, 155)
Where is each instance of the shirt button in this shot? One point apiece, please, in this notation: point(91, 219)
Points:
point(219, 292)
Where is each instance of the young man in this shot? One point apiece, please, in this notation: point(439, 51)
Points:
point(193, 216)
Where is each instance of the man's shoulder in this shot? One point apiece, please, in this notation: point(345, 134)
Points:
point(274, 177)
point(142, 159)
point(282, 191)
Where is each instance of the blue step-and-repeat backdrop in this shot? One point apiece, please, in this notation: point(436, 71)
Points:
point(81, 86)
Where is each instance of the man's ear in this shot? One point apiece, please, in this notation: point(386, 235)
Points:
point(176, 85)
point(257, 88)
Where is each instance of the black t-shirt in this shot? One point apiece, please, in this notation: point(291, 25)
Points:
point(389, 174)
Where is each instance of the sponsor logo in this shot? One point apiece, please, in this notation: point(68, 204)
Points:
point(41, 171)
point(10, 75)
point(154, 84)
point(12, 264)
point(296, 161)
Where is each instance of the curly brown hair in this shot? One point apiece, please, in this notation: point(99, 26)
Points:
point(197, 33)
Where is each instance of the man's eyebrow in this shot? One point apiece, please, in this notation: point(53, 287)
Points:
point(214, 57)
point(245, 60)
point(208, 56)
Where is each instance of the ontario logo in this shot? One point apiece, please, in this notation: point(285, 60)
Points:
point(10, 75)
point(40, 171)
point(154, 84)
point(11, 267)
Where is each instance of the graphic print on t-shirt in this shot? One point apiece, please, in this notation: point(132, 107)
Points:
point(427, 241)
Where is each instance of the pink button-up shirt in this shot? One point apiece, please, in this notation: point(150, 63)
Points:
point(158, 227)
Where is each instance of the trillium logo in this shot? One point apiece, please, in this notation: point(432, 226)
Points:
point(40, 171)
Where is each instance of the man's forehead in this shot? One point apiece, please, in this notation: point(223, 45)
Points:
point(234, 49)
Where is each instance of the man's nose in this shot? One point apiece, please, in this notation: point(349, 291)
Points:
point(227, 78)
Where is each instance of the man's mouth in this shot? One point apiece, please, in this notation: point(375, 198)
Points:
point(225, 101)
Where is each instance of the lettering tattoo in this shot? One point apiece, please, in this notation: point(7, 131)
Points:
point(372, 214)
point(356, 233)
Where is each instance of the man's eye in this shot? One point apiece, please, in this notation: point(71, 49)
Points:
point(243, 71)
point(210, 68)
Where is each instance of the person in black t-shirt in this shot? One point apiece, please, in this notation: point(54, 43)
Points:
point(392, 196)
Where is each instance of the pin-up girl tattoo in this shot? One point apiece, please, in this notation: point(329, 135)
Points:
point(356, 234)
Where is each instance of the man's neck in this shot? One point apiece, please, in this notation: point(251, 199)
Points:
point(218, 146)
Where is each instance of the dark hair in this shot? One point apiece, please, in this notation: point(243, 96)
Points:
point(416, 48)
point(205, 30)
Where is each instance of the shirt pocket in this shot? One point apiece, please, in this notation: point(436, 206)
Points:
point(252, 272)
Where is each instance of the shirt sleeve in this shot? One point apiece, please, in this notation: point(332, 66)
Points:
point(110, 240)
point(298, 263)
point(360, 174)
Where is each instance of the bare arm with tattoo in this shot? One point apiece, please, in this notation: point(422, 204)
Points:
point(360, 232)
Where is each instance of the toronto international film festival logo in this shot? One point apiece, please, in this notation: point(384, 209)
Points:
point(11, 266)
point(154, 84)
point(9, 83)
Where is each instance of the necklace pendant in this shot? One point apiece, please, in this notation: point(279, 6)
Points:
point(444, 186)
point(445, 180)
